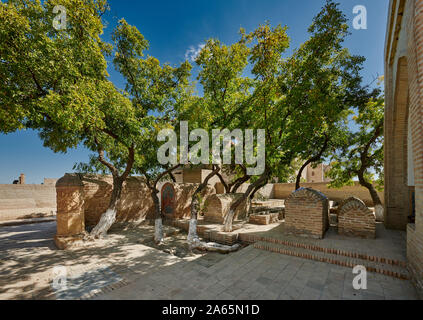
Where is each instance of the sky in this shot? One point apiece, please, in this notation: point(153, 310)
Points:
point(176, 30)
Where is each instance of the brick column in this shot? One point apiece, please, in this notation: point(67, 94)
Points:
point(70, 210)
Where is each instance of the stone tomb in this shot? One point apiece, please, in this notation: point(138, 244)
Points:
point(355, 219)
point(307, 213)
point(217, 206)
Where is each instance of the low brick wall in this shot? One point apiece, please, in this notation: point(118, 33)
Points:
point(355, 219)
point(88, 197)
point(284, 190)
point(136, 202)
point(82, 199)
point(26, 201)
point(267, 191)
point(415, 256)
point(264, 219)
point(307, 213)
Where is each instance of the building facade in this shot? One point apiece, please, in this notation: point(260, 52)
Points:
point(317, 174)
point(403, 127)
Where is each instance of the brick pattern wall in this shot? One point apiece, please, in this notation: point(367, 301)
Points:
point(415, 256)
point(415, 71)
point(307, 213)
point(283, 191)
point(81, 200)
point(355, 219)
point(264, 219)
point(136, 202)
point(217, 206)
point(70, 206)
point(403, 95)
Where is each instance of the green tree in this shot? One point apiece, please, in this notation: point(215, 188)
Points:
point(224, 98)
point(302, 101)
point(156, 91)
point(268, 45)
point(56, 82)
point(363, 156)
point(153, 91)
point(322, 79)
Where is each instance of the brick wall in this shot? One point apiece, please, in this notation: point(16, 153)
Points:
point(403, 113)
point(25, 201)
point(355, 219)
point(284, 190)
point(415, 71)
point(82, 199)
point(136, 203)
point(307, 213)
point(415, 256)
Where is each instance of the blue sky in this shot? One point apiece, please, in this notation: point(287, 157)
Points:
point(172, 28)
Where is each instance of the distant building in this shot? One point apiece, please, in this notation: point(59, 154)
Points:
point(21, 179)
point(314, 175)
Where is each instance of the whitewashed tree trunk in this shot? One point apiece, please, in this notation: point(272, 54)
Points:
point(192, 232)
point(158, 222)
point(214, 247)
point(158, 231)
point(106, 221)
point(379, 212)
point(227, 225)
point(108, 218)
point(254, 187)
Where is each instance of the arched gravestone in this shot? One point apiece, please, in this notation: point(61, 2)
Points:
point(168, 200)
point(307, 213)
point(355, 219)
point(217, 206)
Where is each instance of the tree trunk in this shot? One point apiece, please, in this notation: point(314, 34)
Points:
point(192, 232)
point(256, 189)
point(316, 158)
point(172, 177)
point(195, 207)
point(364, 158)
point(109, 217)
point(193, 239)
point(227, 226)
point(158, 222)
point(225, 185)
point(298, 180)
point(239, 182)
point(377, 203)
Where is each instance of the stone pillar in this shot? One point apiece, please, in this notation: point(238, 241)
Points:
point(70, 210)
point(22, 179)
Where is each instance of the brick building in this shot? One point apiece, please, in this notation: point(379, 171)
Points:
point(403, 127)
point(317, 174)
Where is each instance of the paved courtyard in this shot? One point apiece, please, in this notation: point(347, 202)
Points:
point(126, 266)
